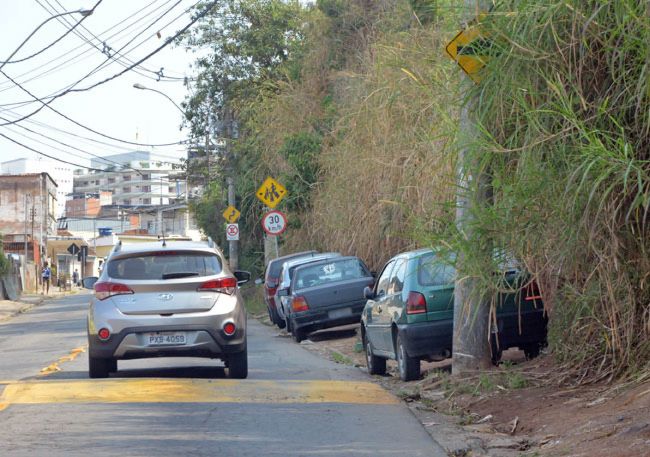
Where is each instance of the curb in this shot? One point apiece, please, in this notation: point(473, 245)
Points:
point(21, 306)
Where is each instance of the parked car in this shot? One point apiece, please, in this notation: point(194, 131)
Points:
point(166, 300)
point(409, 314)
point(284, 288)
point(325, 294)
point(272, 281)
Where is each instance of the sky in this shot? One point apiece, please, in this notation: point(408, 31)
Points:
point(115, 108)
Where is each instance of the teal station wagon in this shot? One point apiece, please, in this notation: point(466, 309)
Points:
point(410, 311)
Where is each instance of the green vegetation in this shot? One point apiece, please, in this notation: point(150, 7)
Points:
point(4, 262)
point(354, 107)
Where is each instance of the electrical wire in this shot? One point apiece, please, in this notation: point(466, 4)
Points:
point(158, 74)
point(58, 66)
point(47, 155)
point(59, 16)
point(71, 87)
point(106, 49)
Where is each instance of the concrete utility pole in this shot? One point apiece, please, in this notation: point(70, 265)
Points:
point(471, 351)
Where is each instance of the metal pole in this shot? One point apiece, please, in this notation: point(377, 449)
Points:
point(233, 250)
point(26, 231)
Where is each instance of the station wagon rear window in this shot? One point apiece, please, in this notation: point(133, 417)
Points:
point(325, 273)
point(164, 265)
point(433, 271)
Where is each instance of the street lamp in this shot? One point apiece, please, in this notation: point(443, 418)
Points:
point(141, 87)
point(84, 13)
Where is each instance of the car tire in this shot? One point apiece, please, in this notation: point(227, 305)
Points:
point(98, 368)
point(287, 325)
point(531, 350)
point(238, 365)
point(376, 365)
point(112, 365)
point(409, 367)
point(297, 334)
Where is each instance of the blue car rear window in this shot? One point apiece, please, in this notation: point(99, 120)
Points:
point(326, 273)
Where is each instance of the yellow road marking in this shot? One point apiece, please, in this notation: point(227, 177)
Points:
point(54, 367)
point(194, 391)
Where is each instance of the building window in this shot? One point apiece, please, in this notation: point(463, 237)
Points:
point(146, 201)
point(126, 202)
point(126, 178)
point(126, 189)
point(146, 177)
point(146, 188)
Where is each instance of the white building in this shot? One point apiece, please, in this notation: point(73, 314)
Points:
point(136, 179)
point(60, 172)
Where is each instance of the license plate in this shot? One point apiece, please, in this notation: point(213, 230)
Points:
point(165, 338)
point(335, 314)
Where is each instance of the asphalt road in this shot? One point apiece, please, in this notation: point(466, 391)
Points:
point(293, 403)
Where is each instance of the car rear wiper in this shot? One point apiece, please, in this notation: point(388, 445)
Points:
point(179, 274)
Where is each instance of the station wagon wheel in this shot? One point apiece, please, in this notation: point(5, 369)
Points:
point(409, 367)
point(376, 365)
point(297, 334)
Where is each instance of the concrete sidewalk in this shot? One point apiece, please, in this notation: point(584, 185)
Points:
point(9, 308)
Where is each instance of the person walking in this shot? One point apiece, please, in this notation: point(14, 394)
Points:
point(75, 278)
point(45, 276)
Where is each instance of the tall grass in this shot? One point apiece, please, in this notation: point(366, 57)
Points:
point(564, 116)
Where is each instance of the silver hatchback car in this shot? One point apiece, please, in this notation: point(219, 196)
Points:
point(166, 300)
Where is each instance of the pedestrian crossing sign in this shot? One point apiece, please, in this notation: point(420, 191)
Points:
point(271, 192)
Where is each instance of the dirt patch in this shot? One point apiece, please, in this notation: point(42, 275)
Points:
point(511, 410)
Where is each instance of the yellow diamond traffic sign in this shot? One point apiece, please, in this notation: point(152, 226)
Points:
point(271, 192)
point(470, 49)
point(231, 214)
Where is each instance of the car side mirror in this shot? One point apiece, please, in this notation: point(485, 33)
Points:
point(368, 293)
point(242, 277)
point(282, 293)
point(259, 281)
point(89, 282)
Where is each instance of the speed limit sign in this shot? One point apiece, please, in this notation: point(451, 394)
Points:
point(274, 222)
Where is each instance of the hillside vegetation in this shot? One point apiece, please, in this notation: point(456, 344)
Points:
point(354, 106)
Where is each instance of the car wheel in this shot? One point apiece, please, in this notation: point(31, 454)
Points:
point(238, 365)
point(409, 367)
point(297, 334)
point(287, 324)
point(98, 368)
point(531, 350)
point(375, 364)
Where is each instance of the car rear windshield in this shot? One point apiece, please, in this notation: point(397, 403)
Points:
point(164, 265)
point(326, 273)
point(433, 271)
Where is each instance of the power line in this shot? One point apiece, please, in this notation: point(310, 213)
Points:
point(93, 140)
point(58, 16)
point(92, 86)
point(158, 74)
point(63, 64)
point(70, 119)
point(47, 155)
point(71, 87)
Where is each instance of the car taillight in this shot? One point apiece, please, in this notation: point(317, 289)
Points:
point(223, 285)
point(103, 290)
point(532, 292)
point(299, 304)
point(416, 303)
